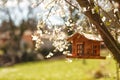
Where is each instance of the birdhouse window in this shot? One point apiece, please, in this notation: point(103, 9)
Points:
point(94, 49)
point(80, 49)
point(94, 46)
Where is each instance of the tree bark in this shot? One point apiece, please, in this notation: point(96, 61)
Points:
point(118, 1)
point(105, 34)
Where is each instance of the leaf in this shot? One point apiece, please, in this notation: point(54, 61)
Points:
point(96, 8)
point(107, 23)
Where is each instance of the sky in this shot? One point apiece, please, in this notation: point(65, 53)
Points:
point(18, 13)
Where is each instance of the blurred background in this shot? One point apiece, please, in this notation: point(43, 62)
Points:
point(18, 21)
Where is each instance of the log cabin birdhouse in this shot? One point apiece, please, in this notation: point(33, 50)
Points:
point(85, 48)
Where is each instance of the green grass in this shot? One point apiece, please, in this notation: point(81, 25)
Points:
point(60, 70)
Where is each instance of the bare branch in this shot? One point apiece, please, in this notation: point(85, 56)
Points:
point(37, 4)
point(49, 11)
point(51, 2)
point(40, 2)
point(72, 5)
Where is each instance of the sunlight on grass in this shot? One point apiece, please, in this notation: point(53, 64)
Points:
point(59, 70)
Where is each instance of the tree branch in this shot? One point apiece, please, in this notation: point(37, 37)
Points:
point(72, 5)
point(105, 34)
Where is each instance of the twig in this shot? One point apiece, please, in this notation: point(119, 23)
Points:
point(72, 5)
point(114, 22)
point(51, 2)
point(38, 3)
point(49, 12)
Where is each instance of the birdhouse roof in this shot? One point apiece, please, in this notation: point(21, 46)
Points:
point(87, 36)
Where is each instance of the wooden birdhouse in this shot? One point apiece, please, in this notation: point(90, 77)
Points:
point(85, 48)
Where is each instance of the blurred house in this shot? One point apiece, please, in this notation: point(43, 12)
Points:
point(4, 37)
point(26, 39)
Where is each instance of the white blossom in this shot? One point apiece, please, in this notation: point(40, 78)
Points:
point(49, 55)
point(110, 20)
point(34, 37)
point(103, 18)
point(39, 32)
point(93, 11)
point(116, 5)
point(84, 9)
point(34, 5)
point(109, 56)
point(116, 10)
point(114, 16)
point(93, 25)
point(101, 24)
point(69, 60)
point(66, 52)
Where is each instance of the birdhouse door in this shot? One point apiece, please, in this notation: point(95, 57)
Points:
point(80, 49)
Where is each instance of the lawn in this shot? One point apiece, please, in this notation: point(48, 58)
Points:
point(78, 69)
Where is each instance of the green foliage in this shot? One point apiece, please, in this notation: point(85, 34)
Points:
point(108, 23)
point(1, 52)
point(60, 70)
point(96, 8)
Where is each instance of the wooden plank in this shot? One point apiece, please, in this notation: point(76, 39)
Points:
point(87, 57)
